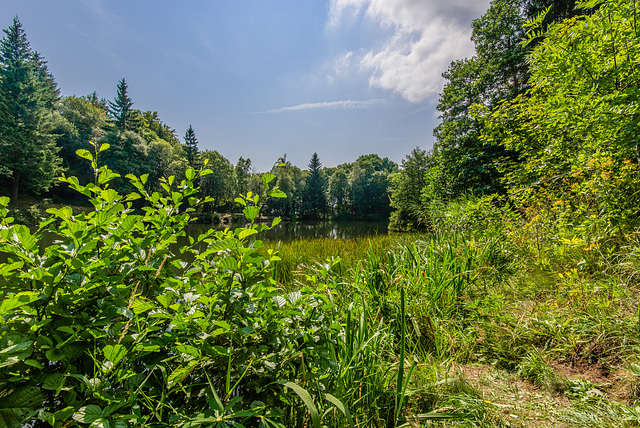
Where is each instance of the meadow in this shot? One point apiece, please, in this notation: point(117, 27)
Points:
point(504, 327)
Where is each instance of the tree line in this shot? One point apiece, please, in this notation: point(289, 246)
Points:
point(41, 132)
point(542, 119)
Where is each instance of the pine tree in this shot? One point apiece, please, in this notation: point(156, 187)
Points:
point(314, 197)
point(28, 95)
point(191, 147)
point(120, 107)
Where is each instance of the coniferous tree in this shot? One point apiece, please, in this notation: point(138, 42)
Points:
point(95, 101)
point(28, 94)
point(120, 107)
point(191, 147)
point(314, 196)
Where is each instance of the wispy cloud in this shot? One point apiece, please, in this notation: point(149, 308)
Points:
point(346, 104)
point(426, 36)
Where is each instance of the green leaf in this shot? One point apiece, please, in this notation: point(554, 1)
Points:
point(13, 352)
point(229, 263)
point(114, 353)
point(104, 147)
point(140, 306)
point(276, 193)
point(267, 178)
point(306, 398)
point(14, 301)
point(251, 212)
point(17, 407)
point(164, 300)
point(100, 423)
point(247, 232)
point(333, 400)
point(88, 414)
point(189, 350)
point(109, 195)
point(181, 372)
point(54, 382)
point(589, 4)
point(85, 154)
point(190, 174)
point(61, 416)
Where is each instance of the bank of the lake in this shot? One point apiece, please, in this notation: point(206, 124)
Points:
point(288, 231)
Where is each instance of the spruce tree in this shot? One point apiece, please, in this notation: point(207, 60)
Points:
point(120, 107)
point(314, 197)
point(191, 147)
point(28, 95)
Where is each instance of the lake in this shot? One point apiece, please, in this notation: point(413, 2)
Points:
point(284, 232)
point(312, 229)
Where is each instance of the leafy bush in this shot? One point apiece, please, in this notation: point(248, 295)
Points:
point(116, 324)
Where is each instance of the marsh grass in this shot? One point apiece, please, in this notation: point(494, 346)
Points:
point(555, 313)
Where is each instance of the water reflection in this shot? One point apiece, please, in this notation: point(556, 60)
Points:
point(310, 230)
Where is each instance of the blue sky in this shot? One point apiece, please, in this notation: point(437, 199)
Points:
point(262, 78)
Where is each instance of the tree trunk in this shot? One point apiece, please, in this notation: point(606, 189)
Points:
point(15, 183)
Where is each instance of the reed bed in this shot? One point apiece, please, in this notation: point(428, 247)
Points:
point(414, 309)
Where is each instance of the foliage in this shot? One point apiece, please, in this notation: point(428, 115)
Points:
point(461, 161)
point(80, 121)
point(497, 71)
point(191, 147)
point(407, 185)
point(221, 184)
point(370, 181)
point(575, 129)
point(164, 159)
point(243, 174)
point(314, 198)
point(28, 94)
point(113, 324)
point(291, 180)
point(339, 191)
point(120, 107)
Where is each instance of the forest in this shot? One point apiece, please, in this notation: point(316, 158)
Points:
point(40, 143)
point(507, 298)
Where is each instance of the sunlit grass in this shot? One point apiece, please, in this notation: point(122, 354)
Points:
point(543, 314)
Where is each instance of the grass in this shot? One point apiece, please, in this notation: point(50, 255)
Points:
point(503, 329)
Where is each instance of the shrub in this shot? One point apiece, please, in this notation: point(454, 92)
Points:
point(114, 324)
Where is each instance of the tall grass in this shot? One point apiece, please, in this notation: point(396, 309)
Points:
point(298, 256)
point(476, 293)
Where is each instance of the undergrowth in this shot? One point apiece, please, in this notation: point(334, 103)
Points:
point(115, 324)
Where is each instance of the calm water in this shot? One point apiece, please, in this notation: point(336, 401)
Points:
point(308, 230)
point(282, 232)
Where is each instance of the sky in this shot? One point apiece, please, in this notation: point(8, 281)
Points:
point(263, 78)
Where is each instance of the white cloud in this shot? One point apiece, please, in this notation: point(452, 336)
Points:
point(346, 104)
point(426, 36)
point(343, 63)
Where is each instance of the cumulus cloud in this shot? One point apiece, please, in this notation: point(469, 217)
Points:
point(346, 104)
point(426, 35)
